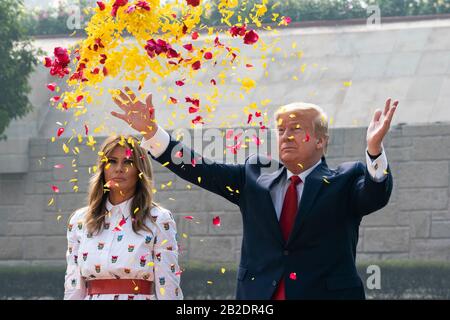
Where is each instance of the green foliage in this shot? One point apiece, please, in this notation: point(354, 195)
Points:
point(17, 61)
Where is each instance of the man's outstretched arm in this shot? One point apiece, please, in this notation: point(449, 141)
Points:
point(222, 179)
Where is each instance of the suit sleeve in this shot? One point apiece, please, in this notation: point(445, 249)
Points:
point(369, 193)
point(226, 180)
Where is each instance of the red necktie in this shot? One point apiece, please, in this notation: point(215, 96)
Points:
point(287, 220)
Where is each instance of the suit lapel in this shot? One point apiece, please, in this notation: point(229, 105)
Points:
point(312, 186)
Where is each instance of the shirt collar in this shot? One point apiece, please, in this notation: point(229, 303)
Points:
point(123, 208)
point(305, 173)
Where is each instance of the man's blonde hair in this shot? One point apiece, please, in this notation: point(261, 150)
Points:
point(320, 118)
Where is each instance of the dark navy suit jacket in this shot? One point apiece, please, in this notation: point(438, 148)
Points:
point(321, 249)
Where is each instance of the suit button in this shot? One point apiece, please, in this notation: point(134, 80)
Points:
point(274, 283)
point(286, 252)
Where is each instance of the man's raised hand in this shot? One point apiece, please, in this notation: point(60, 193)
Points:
point(140, 116)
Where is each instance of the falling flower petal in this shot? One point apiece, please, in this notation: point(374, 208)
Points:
point(237, 31)
point(307, 137)
point(60, 131)
point(256, 140)
point(193, 3)
point(251, 37)
point(55, 189)
point(58, 166)
point(196, 65)
point(51, 86)
point(348, 84)
point(293, 276)
point(117, 4)
point(86, 129)
point(128, 153)
point(208, 55)
point(179, 83)
point(188, 47)
point(189, 217)
point(285, 21)
point(195, 35)
point(213, 82)
point(216, 221)
point(101, 5)
point(55, 99)
point(197, 120)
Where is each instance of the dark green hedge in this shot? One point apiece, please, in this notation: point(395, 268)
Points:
point(53, 21)
point(399, 280)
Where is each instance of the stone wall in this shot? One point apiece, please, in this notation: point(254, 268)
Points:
point(415, 224)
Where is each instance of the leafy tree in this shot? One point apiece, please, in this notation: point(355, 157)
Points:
point(17, 61)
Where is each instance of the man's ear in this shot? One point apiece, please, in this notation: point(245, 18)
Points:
point(319, 143)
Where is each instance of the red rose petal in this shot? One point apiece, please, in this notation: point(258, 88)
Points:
point(193, 109)
point(208, 55)
point(189, 217)
point(86, 129)
point(193, 3)
point(195, 35)
point(79, 98)
point(188, 47)
point(251, 37)
point(249, 118)
point(179, 83)
point(51, 86)
point(197, 120)
point(307, 138)
point(196, 65)
point(213, 82)
point(128, 153)
point(173, 100)
point(60, 132)
point(48, 62)
point(101, 5)
point(55, 99)
point(293, 276)
point(216, 221)
point(256, 140)
point(55, 189)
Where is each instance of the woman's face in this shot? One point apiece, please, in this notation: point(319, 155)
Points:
point(121, 175)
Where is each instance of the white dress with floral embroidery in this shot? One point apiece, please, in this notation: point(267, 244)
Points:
point(118, 252)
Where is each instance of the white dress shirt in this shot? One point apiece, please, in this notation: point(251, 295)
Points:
point(122, 254)
point(377, 167)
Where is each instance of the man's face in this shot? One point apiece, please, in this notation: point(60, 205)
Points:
point(122, 174)
point(297, 144)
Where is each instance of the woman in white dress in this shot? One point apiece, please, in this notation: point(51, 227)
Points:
point(122, 246)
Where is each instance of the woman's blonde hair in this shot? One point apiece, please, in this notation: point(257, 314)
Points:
point(142, 202)
point(320, 118)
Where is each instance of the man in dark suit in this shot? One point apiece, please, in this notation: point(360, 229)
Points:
point(300, 222)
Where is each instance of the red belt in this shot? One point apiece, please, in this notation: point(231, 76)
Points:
point(119, 286)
